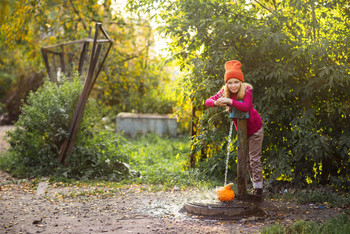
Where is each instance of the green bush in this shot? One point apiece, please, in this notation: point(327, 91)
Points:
point(42, 128)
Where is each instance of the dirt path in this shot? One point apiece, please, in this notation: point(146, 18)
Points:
point(126, 210)
point(54, 208)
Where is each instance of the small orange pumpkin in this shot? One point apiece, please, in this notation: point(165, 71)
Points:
point(226, 193)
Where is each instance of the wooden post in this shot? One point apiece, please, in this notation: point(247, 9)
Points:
point(67, 146)
point(242, 149)
point(83, 54)
point(242, 156)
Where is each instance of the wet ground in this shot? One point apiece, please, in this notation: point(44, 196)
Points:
point(87, 209)
point(57, 208)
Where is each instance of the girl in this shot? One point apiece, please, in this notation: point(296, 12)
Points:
point(236, 90)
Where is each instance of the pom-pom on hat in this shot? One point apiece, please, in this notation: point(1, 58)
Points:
point(233, 70)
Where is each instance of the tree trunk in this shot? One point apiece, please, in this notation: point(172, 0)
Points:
point(193, 133)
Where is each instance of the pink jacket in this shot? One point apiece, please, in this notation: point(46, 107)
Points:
point(254, 122)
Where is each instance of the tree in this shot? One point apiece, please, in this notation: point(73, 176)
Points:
point(130, 74)
point(295, 53)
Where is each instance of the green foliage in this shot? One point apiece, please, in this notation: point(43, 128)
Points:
point(296, 56)
point(274, 229)
point(160, 160)
point(213, 166)
point(140, 90)
point(156, 163)
point(131, 79)
point(42, 128)
point(340, 224)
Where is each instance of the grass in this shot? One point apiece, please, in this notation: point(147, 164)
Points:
point(327, 198)
point(157, 163)
point(337, 225)
point(163, 160)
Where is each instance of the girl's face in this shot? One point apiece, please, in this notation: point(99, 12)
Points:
point(233, 85)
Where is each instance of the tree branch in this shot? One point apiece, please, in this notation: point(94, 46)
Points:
point(77, 13)
point(132, 57)
point(263, 6)
point(314, 20)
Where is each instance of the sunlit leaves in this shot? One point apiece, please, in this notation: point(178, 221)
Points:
point(295, 53)
point(131, 73)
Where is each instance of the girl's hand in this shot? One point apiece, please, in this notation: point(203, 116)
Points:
point(218, 103)
point(224, 101)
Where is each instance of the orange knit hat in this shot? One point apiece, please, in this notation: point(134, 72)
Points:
point(233, 70)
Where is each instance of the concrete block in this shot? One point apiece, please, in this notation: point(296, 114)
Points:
point(133, 124)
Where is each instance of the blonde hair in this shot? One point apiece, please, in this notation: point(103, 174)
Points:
point(241, 92)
